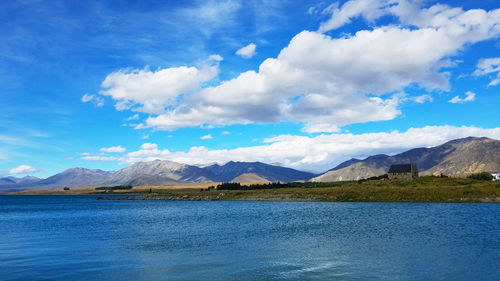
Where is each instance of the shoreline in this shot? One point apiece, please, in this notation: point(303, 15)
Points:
point(421, 190)
point(178, 198)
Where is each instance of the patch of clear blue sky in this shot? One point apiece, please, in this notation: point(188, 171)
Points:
point(53, 52)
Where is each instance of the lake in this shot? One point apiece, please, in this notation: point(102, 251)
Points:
point(48, 237)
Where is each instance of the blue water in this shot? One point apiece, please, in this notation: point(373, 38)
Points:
point(81, 238)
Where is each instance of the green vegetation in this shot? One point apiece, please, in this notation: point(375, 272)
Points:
point(424, 189)
point(116, 187)
point(481, 176)
point(275, 185)
point(381, 177)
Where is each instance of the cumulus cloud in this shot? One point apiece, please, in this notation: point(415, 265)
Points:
point(318, 153)
point(488, 66)
point(155, 90)
point(469, 96)
point(247, 51)
point(225, 133)
point(148, 152)
point(318, 80)
point(114, 149)
point(97, 101)
point(471, 25)
point(206, 137)
point(23, 169)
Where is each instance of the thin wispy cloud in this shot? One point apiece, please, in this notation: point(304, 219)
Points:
point(469, 96)
point(97, 101)
point(113, 149)
point(489, 66)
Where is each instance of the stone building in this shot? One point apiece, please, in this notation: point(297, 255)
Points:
point(403, 172)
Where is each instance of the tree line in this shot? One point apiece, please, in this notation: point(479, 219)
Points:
point(275, 185)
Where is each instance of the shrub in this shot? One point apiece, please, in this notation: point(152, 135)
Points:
point(116, 187)
point(485, 176)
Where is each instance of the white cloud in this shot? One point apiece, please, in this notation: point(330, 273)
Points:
point(145, 137)
point(149, 146)
point(472, 25)
point(487, 66)
point(23, 169)
point(155, 90)
point(115, 149)
point(318, 153)
point(469, 96)
point(311, 10)
point(321, 81)
point(86, 98)
point(133, 117)
point(423, 98)
point(319, 128)
point(368, 9)
point(247, 51)
point(225, 133)
point(148, 152)
point(100, 158)
point(206, 137)
point(215, 58)
point(97, 101)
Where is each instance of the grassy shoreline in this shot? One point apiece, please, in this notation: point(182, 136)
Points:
point(425, 189)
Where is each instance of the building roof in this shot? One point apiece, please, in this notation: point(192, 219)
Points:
point(402, 168)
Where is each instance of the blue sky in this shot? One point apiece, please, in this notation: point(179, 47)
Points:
point(307, 84)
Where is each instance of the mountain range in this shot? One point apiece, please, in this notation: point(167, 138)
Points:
point(455, 158)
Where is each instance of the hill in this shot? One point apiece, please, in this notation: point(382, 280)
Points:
point(249, 178)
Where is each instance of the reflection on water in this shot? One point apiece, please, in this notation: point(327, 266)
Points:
point(80, 238)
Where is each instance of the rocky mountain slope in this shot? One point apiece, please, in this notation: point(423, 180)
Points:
point(167, 170)
point(231, 170)
point(74, 177)
point(459, 157)
point(355, 171)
